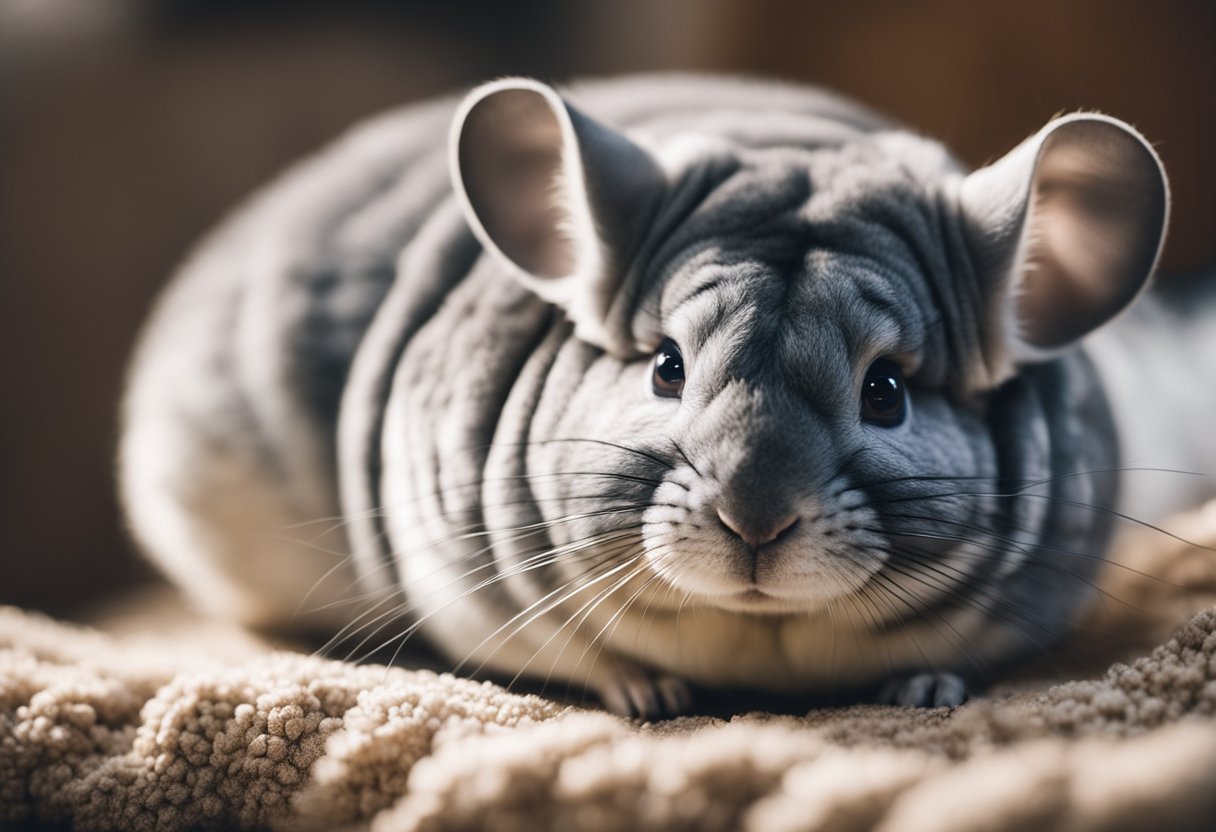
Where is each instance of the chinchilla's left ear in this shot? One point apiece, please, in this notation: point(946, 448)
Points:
point(1064, 232)
point(559, 198)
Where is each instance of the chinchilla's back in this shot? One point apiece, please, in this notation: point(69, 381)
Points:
point(228, 440)
point(1158, 364)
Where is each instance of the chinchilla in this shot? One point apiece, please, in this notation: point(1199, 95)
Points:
point(668, 381)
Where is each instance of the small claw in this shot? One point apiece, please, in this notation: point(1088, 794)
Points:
point(925, 690)
point(642, 694)
point(677, 698)
point(616, 699)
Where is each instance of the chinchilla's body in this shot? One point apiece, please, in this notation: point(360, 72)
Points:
point(661, 380)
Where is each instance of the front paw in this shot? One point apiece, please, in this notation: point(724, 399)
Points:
point(635, 692)
point(925, 690)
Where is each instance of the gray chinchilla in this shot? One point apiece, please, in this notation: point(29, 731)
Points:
point(660, 381)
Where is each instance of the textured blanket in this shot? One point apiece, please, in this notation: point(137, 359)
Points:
point(157, 722)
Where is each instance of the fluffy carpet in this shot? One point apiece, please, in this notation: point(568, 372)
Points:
point(138, 725)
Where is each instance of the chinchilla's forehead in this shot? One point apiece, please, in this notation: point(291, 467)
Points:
point(805, 253)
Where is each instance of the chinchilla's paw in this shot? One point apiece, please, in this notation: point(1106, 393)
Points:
point(645, 694)
point(925, 690)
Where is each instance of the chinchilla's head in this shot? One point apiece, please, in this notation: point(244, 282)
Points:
point(823, 364)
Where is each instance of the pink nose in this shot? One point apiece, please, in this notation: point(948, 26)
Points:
point(760, 532)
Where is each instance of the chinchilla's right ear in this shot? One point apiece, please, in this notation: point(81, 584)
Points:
point(1064, 232)
point(559, 198)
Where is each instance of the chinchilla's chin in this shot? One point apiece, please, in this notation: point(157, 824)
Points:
point(759, 603)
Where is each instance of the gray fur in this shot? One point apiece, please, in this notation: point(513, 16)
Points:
point(482, 421)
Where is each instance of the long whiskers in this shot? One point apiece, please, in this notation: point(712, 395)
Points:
point(506, 536)
point(568, 553)
point(533, 614)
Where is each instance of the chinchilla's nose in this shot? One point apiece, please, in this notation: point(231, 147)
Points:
point(756, 528)
point(762, 458)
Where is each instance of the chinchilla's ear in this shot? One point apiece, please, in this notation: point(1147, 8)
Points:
point(561, 199)
point(1064, 232)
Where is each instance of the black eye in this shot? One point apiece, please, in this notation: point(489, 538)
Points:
point(883, 400)
point(668, 377)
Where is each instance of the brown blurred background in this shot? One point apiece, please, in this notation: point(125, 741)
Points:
point(127, 127)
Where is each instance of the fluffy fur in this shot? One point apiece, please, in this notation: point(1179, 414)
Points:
point(451, 349)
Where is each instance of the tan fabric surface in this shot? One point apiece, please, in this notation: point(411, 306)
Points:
point(163, 723)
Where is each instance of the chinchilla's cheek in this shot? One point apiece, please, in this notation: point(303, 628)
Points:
point(944, 440)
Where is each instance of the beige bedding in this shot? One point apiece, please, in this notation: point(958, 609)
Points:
point(155, 721)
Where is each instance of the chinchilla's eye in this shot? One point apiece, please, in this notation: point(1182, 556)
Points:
point(883, 396)
point(668, 377)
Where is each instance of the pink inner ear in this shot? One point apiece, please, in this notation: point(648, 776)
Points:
point(1095, 226)
point(510, 156)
